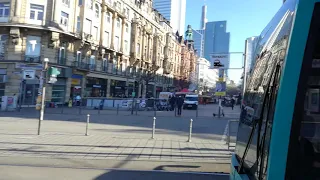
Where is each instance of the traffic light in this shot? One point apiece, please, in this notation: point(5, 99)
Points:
point(53, 73)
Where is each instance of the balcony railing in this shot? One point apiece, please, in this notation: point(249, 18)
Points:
point(80, 65)
point(32, 59)
point(92, 67)
point(62, 61)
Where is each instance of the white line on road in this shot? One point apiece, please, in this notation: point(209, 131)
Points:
point(225, 133)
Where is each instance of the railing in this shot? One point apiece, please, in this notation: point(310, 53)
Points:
point(62, 61)
point(80, 65)
point(32, 59)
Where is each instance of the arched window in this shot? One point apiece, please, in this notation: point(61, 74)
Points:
point(127, 27)
point(108, 17)
point(97, 10)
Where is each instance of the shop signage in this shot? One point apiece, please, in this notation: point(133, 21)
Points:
point(27, 66)
point(96, 86)
point(75, 81)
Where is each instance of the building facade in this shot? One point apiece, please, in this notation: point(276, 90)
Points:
point(174, 11)
point(206, 77)
point(101, 47)
point(216, 40)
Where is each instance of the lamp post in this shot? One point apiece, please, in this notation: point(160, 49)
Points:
point(42, 87)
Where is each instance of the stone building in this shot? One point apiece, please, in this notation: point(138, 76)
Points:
point(100, 46)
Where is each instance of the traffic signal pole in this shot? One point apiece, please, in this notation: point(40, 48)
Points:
point(43, 82)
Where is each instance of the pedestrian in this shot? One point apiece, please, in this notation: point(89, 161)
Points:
point(180, 102)
point(232, 103)
point(172, 102)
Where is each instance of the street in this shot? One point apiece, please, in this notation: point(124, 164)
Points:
point(114, 140)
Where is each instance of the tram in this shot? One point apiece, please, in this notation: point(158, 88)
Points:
point(279, 127)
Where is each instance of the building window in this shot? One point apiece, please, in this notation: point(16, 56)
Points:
point(95, 33)
point(33, 46)
point(64, 18)
point(4, 9)
point(66, 2)
point(97, 9)
point(78, 58)
point(3, 72)
point(108, 17)
point(87, 26)
point(36, 12)
point(62, 55)
point(3, 45)
point(116, 43)
point(127, 13)
point(90, 4)
point(127, 27)
point(118, 6)
point(126, 46)
point(78, 24)
point(92, 62)
point(118, 22)
point(80, 2)
point(106, 39)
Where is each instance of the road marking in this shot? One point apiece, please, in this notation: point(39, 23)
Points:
point(225, 133)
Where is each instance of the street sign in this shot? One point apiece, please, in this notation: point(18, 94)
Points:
point(29, 74)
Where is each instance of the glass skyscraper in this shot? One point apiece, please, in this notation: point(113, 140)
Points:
point(198, 38)
point(174, 11)
point(216, 41)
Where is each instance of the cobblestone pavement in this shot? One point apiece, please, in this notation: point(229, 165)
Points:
point(115, 138)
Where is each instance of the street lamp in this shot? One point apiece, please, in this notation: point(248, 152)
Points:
point(42, 91)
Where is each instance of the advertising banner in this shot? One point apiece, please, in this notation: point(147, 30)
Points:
point(221, 88)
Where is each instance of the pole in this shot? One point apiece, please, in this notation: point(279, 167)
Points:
point(153, 127)
point(87, 126)
point(117, 109)
point(219, 112)
point(197, 111)
point(43, 93)
point(136, 106)
point(21, 94)
point(190, 130)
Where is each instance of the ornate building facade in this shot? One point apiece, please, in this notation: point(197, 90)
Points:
point(101, 48)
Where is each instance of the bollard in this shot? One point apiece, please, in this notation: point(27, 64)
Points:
point(62, 108)
point(99, 108)
point(153, 127)
point(190, 131)
point(79, 109)
point(87, 127)
point(137, 108)
point(117, 109)
point(228, 137)
point(175, 111)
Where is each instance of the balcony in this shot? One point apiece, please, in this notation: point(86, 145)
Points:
point(80, 65)
point(62, 61)
point(92, 67)
point(32, 59)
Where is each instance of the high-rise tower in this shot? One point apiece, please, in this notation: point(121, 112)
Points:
point(204, 17)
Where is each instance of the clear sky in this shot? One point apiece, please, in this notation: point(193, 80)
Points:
point(245, 18)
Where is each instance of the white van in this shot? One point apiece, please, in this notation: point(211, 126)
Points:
point(191, 101)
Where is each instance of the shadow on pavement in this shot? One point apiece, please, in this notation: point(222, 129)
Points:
point(154, 175)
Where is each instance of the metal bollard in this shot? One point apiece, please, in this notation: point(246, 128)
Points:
point(137, 108)
point(175, 111)
point(87, 127)
point(153, 127)
point(228, 137)
point(190, 131)
point(117, 109)
point(155, 111)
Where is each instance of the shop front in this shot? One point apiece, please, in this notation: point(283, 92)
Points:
point(96, 87)
point(59, 91)
point(158, 90)
point(117, 89)
point(150, 89)
point(75, 89)
point(130, 89)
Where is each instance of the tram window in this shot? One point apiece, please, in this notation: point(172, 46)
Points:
point(309, 139)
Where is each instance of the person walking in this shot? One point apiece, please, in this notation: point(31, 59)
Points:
point(172, 102)
point(232, 103)
point(180, 102)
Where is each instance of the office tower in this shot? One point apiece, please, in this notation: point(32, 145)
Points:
point(203, 17)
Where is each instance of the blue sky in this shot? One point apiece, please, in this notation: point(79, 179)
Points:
point(245, 18)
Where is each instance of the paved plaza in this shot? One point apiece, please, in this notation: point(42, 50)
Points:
point(114, 140)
